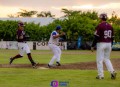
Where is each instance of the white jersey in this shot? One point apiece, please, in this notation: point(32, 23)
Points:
point(52, 40)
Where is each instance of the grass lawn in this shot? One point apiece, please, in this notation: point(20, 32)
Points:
point(21, 77)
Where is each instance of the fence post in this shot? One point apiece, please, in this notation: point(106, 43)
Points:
point(34, 45)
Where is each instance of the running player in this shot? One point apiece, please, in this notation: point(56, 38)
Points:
point(22, 45)
point(104, 37)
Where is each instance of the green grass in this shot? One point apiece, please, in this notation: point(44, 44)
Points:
point(45, 56)
point(42, 78)
point(13, 77)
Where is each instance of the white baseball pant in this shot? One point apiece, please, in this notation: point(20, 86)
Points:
point(103, 55)
point(57, 53)
point(23, 47)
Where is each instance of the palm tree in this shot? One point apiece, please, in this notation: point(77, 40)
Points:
point(70, 12)
point(25, 13)
point(11, 16)
point(45, 14)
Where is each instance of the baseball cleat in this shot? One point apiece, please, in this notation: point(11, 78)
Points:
point(58, 64)
point(49, 66)
point(34, 65)
point(113, 75)
point(99, 77)
point(11, 60)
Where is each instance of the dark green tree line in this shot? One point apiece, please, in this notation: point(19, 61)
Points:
point(74, 24)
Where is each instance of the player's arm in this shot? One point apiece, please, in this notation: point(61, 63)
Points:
point(112, 38)
point(56, 36)
point(59, 35)
point(19, 35)
point(96, 38)
point(94, 42)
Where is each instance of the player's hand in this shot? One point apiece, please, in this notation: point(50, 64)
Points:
point(92, 49)
point(21, 37)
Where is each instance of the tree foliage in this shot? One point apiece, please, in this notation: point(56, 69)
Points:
point(74, 24)
point(45, 14)
point(25, 13)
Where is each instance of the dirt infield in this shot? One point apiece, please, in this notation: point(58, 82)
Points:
point(81, 66)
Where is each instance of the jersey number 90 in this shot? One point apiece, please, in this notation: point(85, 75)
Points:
point(107, 34)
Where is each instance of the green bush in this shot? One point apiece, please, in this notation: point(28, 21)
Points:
point(75, 25)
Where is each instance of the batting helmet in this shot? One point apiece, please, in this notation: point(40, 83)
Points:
point(58, 27)
point(103, 16)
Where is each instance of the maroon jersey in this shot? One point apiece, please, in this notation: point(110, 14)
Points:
point(20, 33)
point(105, 32)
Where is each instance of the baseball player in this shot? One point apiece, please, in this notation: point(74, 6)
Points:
point(53, 42)
point(22, 45)
point(103, 37)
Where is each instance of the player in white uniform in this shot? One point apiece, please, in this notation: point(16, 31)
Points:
point(53, 45)
point(104, 37)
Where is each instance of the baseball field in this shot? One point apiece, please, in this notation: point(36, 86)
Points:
point(78, 70)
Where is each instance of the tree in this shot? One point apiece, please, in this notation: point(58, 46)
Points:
point(80, 23)
point(70, 12)
point(91, 14)
point(25, 13)
point(11, 16)
point(45, 14)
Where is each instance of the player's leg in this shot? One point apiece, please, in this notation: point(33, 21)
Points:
point(100, 57)
point(27, 50)
point(34, 64)
point(107, 58)
point(15, 57)
point(59, 56)
point(108, 62)
point(55, 54)
point(20, 55)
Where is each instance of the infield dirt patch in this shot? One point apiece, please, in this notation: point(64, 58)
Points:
point(81, 65)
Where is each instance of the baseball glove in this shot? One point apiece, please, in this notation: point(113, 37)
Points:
point(63, 38)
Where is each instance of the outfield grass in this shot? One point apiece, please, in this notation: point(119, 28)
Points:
point(13, 77)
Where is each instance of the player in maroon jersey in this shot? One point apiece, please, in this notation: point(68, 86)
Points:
point(103, 38)
point(22, 45)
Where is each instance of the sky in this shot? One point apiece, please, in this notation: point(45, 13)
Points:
point(54, 6)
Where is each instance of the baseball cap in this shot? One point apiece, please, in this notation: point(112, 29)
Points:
point(103, 16)
point(21, 24)
point(58, 27)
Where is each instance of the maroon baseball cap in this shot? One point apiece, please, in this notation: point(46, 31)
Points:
point(103, 16)
point(21, 24)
